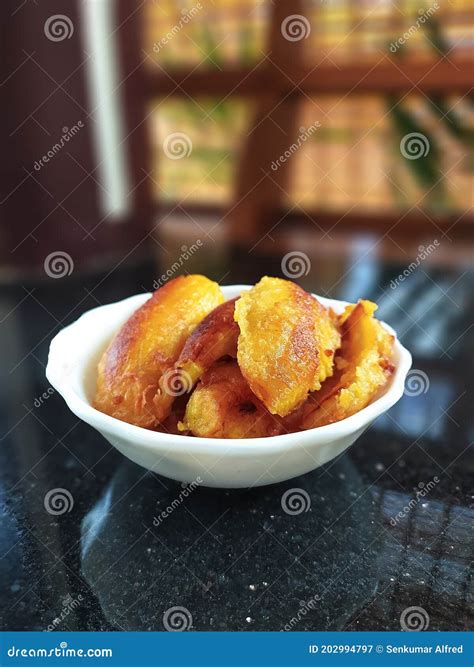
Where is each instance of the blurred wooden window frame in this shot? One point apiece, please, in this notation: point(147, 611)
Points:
point(279, 83)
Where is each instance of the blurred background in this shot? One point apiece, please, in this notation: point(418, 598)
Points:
point(255, 126)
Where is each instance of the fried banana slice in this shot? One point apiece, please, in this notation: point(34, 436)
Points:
point(223, 406)
point(363, 367)
point(215, 337)
point(286, 344)
point(136, 381)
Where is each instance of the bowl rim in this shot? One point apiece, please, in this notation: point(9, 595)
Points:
point(146, 437)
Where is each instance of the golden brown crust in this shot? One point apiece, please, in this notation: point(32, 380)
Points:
point(147, 346)
point(291, 372)
point(286, 343)
point(223, 406)
point(215, 337)
point(363, 367)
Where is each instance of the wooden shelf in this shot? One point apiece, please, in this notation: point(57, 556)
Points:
point(386, 76)
point(206, 82)
point(395, 76)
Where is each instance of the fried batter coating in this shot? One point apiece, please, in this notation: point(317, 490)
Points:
point(286, 344)
point(363, 367)
point(135, 380)
point(215, 337)
point(223, 406)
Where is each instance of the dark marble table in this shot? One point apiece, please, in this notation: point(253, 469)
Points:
point(389, 525)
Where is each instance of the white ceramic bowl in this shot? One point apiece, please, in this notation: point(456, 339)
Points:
point(73, 357)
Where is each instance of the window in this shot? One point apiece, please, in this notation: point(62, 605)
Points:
point(245, 82)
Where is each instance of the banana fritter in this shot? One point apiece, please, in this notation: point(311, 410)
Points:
point(286, 344)
point(215, 337)
point(363, 367)
point(134, 382)
point(223, 406)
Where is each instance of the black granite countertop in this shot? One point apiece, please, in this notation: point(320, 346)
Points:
point(390, 522)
